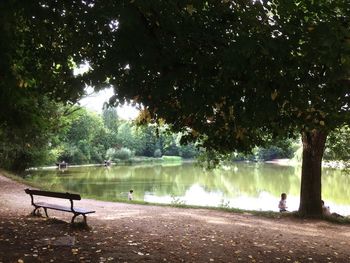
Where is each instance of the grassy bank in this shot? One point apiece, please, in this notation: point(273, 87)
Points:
point(149, 160)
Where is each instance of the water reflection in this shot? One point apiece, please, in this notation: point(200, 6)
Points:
point(244, 185)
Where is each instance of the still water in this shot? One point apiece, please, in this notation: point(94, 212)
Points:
point(248, 186)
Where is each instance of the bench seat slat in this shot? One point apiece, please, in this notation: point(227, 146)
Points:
point(53, 194)
point(64, 208)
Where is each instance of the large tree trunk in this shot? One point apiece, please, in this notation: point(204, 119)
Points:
point(310, 195)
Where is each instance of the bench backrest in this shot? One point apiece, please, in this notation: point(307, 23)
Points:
point(53, 194)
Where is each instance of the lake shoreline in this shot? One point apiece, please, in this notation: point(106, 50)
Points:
point(134, 162)
point(325, 164)
point(159, 161)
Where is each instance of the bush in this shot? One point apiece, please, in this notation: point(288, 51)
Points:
point(97, 155)
point(188, 151)
point(73, 155)
point(270, 153)
point(110, 154)
point(120, 154)
point(123, 154)
point(172, 150)
point(157, 153)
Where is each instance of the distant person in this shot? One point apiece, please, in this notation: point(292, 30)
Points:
point(130, 197)
point(62, 165)
point(282, 205)
point(327, 212)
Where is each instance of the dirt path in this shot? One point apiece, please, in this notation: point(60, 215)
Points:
point(136, 233)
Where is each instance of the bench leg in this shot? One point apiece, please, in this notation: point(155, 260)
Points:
point(84, 219)
point(35, 213)
point(46, 212)
point(75, 215)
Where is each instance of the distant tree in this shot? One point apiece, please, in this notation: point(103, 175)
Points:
point(337, 146)
point(125, 136)
point(148, 141)
point(83, 141)
point(110, 118)
point(23, 145)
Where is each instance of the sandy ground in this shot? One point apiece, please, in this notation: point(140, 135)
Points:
point(121, 232)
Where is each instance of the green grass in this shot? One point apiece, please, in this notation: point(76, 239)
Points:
point(166, 158)
point(150, 160)
point(16, 178)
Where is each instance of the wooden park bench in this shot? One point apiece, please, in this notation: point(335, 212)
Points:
point(75, 210)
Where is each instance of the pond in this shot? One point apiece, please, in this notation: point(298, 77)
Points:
point(248, 186)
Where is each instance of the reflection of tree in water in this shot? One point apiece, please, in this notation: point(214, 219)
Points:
point(247, 179)
point(335, 186)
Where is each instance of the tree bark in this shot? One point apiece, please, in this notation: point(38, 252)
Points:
point(310, 195)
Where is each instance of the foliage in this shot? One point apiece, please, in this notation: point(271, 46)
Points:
point(200, 81)
point(36, 74)
point(37, 59)
point(157, 153)
point(123, 154)
point(188, 151)
point(147, 140)
point(270, 153)
point(337, 147)
point(126, 135)
point(24, 146)
point(277, 149)
point(110, 153)
point(82, 142)
point(110, 118)
point(172, 149)
point(87, 138)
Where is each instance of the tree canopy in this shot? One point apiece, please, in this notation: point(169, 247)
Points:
point(230, 70)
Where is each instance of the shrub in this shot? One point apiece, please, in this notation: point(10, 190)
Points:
point(172, 150)
point(110, 154)
point(270, 153)
point(157, 153)
point(188, 151)
point(120, 154)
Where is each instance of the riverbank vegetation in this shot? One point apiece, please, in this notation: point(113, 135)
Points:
point(78, 136)
point(82, 137)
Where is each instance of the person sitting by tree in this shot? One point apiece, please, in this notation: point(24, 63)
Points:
point(327, 212)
